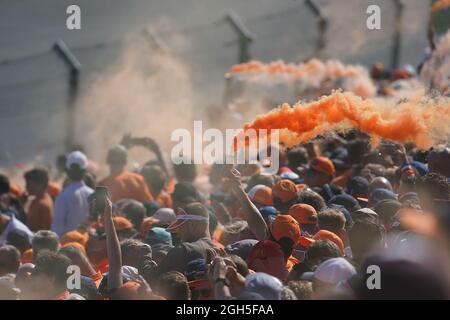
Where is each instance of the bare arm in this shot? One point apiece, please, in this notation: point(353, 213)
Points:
point(115, 280)
point(255, 220)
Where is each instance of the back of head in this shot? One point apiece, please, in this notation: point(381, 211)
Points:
point(365, 235)
point(183, 193)
point(154, 176)
point(19, 239)
point(331, 220)
point(44, 240)
point(117, 156)
point(5, 185)
point(379, 183)
point(38, 176)
point(53, 265)
point(133, 210)
point(321, 250)
point(185, 172)
point(431, 187)
point(313, 199)
point(173, 285)
point(76, 165)
point(9, 259)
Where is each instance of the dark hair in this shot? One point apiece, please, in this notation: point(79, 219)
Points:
point(39, 176)
point(5, 185)
point(297, 156)
point(332, 220)
point(357, 149)
point(302, 289)
point(322, 250)
point(364, 235)
point(185, 172)
point(435, 185)
point(19, 239)
point(154, 176)
point(266, 180)
point(183, 191)
point(133, 210)
point(53, 265)
point(313, 199)
point(173, 285)
point(44, 240)
point(13, 257)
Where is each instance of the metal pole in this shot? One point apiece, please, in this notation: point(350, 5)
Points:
point(245, 36)
point(397, 40)
point(74, 65)
point(322, 26)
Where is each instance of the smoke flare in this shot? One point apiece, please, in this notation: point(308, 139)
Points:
point(422, 121)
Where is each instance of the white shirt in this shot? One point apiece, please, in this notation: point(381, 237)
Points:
point(71, 207)
point(14, 224)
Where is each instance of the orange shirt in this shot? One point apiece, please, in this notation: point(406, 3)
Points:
point(341, 181)
point(291, 262)
point(15, 190)
point(127, 185)
point(40, 213)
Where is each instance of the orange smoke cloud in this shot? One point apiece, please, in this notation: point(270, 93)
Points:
point(313, 73)
point(422, 121)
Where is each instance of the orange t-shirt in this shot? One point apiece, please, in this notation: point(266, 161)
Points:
point(127, 185)
point(341, 181)
point(291, 262)
point(40, 213)
point(15, 190)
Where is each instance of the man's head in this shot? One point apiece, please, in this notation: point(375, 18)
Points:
point(19, 239)
point(135, 252)
point(312, 198)
point(286, 232)
point(117, 158)
point(192, 222)
point(132, 210)
point(154, 177)
point(173, 285)
point(332, 220)
point(76, 165)
point(50, 274)
point(306, 216)
point(431, 187)
point(321, 250)
point(320, 171)
point(284, 195)
point(364, 236)
point(183, 194)
point(44, 240)
point(36, 181)
point(9, 260)
point(439, 160)
point(77, 257)
point(5, 185)
point(379, 183)
point(185, 172)
point(267, 256)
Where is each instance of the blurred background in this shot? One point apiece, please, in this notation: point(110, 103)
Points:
point(140, 59)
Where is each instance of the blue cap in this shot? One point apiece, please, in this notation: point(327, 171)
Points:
point(358, 186)
point(265, 285)
point(268, 211)
point(419, 166)
point(346, 200)
point(381, 194)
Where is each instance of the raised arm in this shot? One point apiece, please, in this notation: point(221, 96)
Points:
point(255, 220)
point(115, 280)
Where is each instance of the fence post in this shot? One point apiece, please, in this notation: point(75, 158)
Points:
point(74, 65)
point(322, 26)
point(245, 36)
point(397, 39)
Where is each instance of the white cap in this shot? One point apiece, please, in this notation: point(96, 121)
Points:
point(78, 158)
point(334, 270)
point(165, 215)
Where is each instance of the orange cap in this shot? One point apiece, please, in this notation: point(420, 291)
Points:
point(146, 225)
point(303, 213)
point(286, 226)
point(261, 194)
point(75, 236)
point(323, 165)
point(77, 245)
point(328, 235)
point(122, 223)
point(285, 190)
